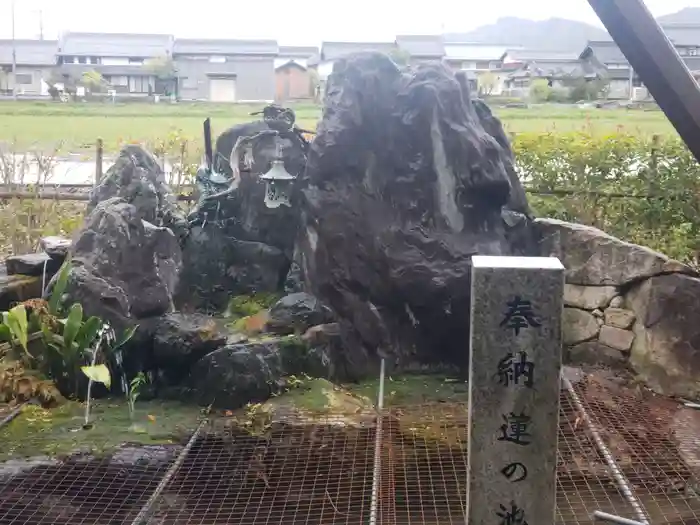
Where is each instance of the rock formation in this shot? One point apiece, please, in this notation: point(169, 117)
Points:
point(407, 179)
point(137, 178)
point(236, 244)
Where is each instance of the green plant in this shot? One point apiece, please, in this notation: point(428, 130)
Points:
point(76, 337)
point(135, 386)
point(540, 90)
point(640, 189)
point(247, 305)
point(16, 328)
point(59, 287)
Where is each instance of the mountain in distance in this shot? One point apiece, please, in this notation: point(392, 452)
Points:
point(688, 15)
point(554, 34)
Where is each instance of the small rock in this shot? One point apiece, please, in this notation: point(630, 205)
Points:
point(295, 313)
point(617, 302)
point(616, 338)
point(56, 247)
point(579, 326)
point(17, 288)
point(619, 318)
point(588, 297)
point(598, 313)
point(235, 375)
point(32, 264)
point(595, 353)
point(180, 340)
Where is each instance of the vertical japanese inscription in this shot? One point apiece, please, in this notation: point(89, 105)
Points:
point(514, 389)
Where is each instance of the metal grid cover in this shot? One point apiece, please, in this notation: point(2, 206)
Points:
point(322, 471)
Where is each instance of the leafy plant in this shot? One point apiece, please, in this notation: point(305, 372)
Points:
point(18, 327)
point(98, 374)
point(59, 288)
point(135, 386)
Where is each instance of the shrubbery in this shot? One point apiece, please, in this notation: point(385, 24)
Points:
point(640, 189)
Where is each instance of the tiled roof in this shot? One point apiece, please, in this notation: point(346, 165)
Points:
point(199, 46)
point(466, 51)
point(422, 46)
point(297, 51)
point(116, 45)
point(336, 50)
point(29, 52)
point(526, 55)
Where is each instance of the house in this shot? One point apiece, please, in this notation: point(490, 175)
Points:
point(477, 60)
point(558, 69)
point(606, 58)
point(293, 78)
point(226, 70)
point(121, 58)
point(34, 62)
point(421, 48)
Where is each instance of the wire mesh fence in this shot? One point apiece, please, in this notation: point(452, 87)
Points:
point(323, 470)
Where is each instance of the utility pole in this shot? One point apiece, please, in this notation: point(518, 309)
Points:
point(14, 52)
point(41, 24)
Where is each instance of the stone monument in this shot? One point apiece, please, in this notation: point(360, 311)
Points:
point(515, 362)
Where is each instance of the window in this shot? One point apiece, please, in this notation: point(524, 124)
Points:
point(24, 79)
point(82, 60)
point(119, 81)
point(693, 51)
point(682, 51)
point(135, 61)
point(140, 84)
point(482, 65)
point(217, 59)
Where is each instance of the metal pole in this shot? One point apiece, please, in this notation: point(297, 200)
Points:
point(377, 449)
point(620, 479)
point(14, 51)
point(144, 514)
point(610, 518)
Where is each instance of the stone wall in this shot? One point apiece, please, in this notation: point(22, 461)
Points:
point(627, 306)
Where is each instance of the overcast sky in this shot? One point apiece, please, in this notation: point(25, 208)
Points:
point(289, 21)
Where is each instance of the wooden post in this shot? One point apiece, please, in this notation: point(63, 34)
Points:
point(514, 367)
point(98, 162)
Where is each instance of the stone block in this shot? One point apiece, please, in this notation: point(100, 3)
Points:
point(616, 338)
point(514, 371)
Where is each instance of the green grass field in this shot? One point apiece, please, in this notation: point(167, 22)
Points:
point(76, 126)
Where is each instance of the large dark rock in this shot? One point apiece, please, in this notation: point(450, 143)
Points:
point(218, 266)
point(247, 372)
point(296, 313)
point(123, 268)
point(406, 181)
point(137, 178)
point(180, 340)
point(237, 245)
point(238, 374)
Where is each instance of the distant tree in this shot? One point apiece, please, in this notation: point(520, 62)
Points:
point(165, 71)
point(540, 90)
point(581, 88)
point(400, 56)
point(487, 83)
point(162, 67)
point(94, 81)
